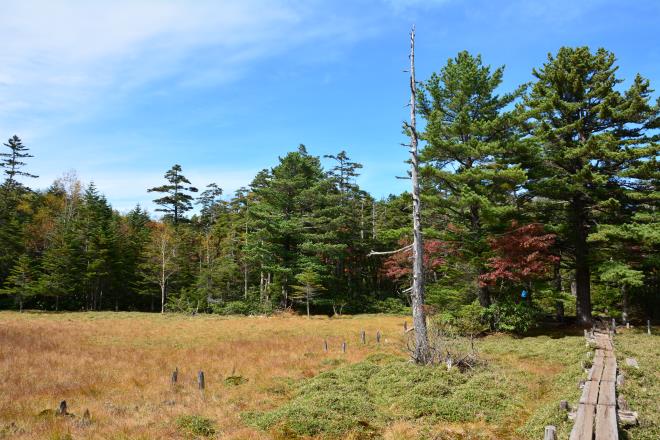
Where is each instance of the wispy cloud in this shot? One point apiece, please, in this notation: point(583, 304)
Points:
point(69, 58)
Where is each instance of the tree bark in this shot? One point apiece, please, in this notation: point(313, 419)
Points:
point(162, 298)
point(625, 312)
point(582, 269)
point(483, 293)
point(307, 302)
point(422, 352)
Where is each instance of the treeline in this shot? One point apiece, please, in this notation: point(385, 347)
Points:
point(537, 200)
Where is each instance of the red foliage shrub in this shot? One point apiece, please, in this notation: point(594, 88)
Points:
point(399, 265)
point(523, 254)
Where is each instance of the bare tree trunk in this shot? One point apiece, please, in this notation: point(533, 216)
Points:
point(162, 276)
point(162, 298)
point(245, 267)
point(373, 220)
point(362, 219)
point(624, 294)
point(307, 301)
point(422, 352)
point(261, 287)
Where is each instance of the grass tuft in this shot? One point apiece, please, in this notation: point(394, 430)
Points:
point(196, 425)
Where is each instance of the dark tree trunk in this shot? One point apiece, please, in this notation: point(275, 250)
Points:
point(626, 305)
point(582, 269)
point(557, 276)
point(484, 296)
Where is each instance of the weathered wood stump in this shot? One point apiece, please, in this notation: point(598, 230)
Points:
point(62, 410)
point(550, 433)
point(201, 383)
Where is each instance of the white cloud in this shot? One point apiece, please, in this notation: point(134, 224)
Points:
point(62, 61)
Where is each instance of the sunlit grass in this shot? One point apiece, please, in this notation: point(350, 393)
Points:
point(119, 365)
point(269, 377)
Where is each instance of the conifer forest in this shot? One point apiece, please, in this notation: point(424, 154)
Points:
point(536, 202)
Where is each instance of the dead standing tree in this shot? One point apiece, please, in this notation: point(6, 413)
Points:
point(421, 353)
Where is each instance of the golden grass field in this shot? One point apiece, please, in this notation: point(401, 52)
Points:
point(118, 366)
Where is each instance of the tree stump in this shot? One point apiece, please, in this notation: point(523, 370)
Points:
point(325, 345)
point(200, 380)
point(563, 405)
point(363, 337)
point(62, 409)
point(378, 336)
point(175, 376)
point(343, 346)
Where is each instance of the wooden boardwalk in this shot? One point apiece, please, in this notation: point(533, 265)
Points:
point(596, 414)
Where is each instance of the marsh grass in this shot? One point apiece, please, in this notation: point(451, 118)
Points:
point(270, 378)
point(641, 387)
point(514, 395)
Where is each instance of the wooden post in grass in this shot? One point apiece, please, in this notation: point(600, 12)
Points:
point(175, 376)
point(343, 346)
point(405, 326)
point(378, 336)
point(648, 326)
point(613, 326)
point(200, 380)
point(86, 418)
point(563, 405)
point(62, 410)
point(363, 337)
point(550, 433)
point(325, 345)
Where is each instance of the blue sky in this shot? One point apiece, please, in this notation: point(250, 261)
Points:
point(120, 91)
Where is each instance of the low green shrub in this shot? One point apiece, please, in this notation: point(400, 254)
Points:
point(363, 398)
point(512, 317)
point(196, 425)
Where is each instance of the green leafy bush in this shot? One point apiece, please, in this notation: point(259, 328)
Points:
point(512, 317)
point(390, 306)
point(242, 308)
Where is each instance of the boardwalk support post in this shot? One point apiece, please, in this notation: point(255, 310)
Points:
point(550, 433)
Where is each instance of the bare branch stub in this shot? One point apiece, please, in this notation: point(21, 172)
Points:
point(403, 249)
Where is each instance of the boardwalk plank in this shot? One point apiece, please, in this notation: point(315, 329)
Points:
point(597, 408)
point(589, 393)
point(606, 423)
point(607, 393)
point(596, 372)
point(584, 423)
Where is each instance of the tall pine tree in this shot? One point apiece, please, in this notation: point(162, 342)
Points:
point(584, 136)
